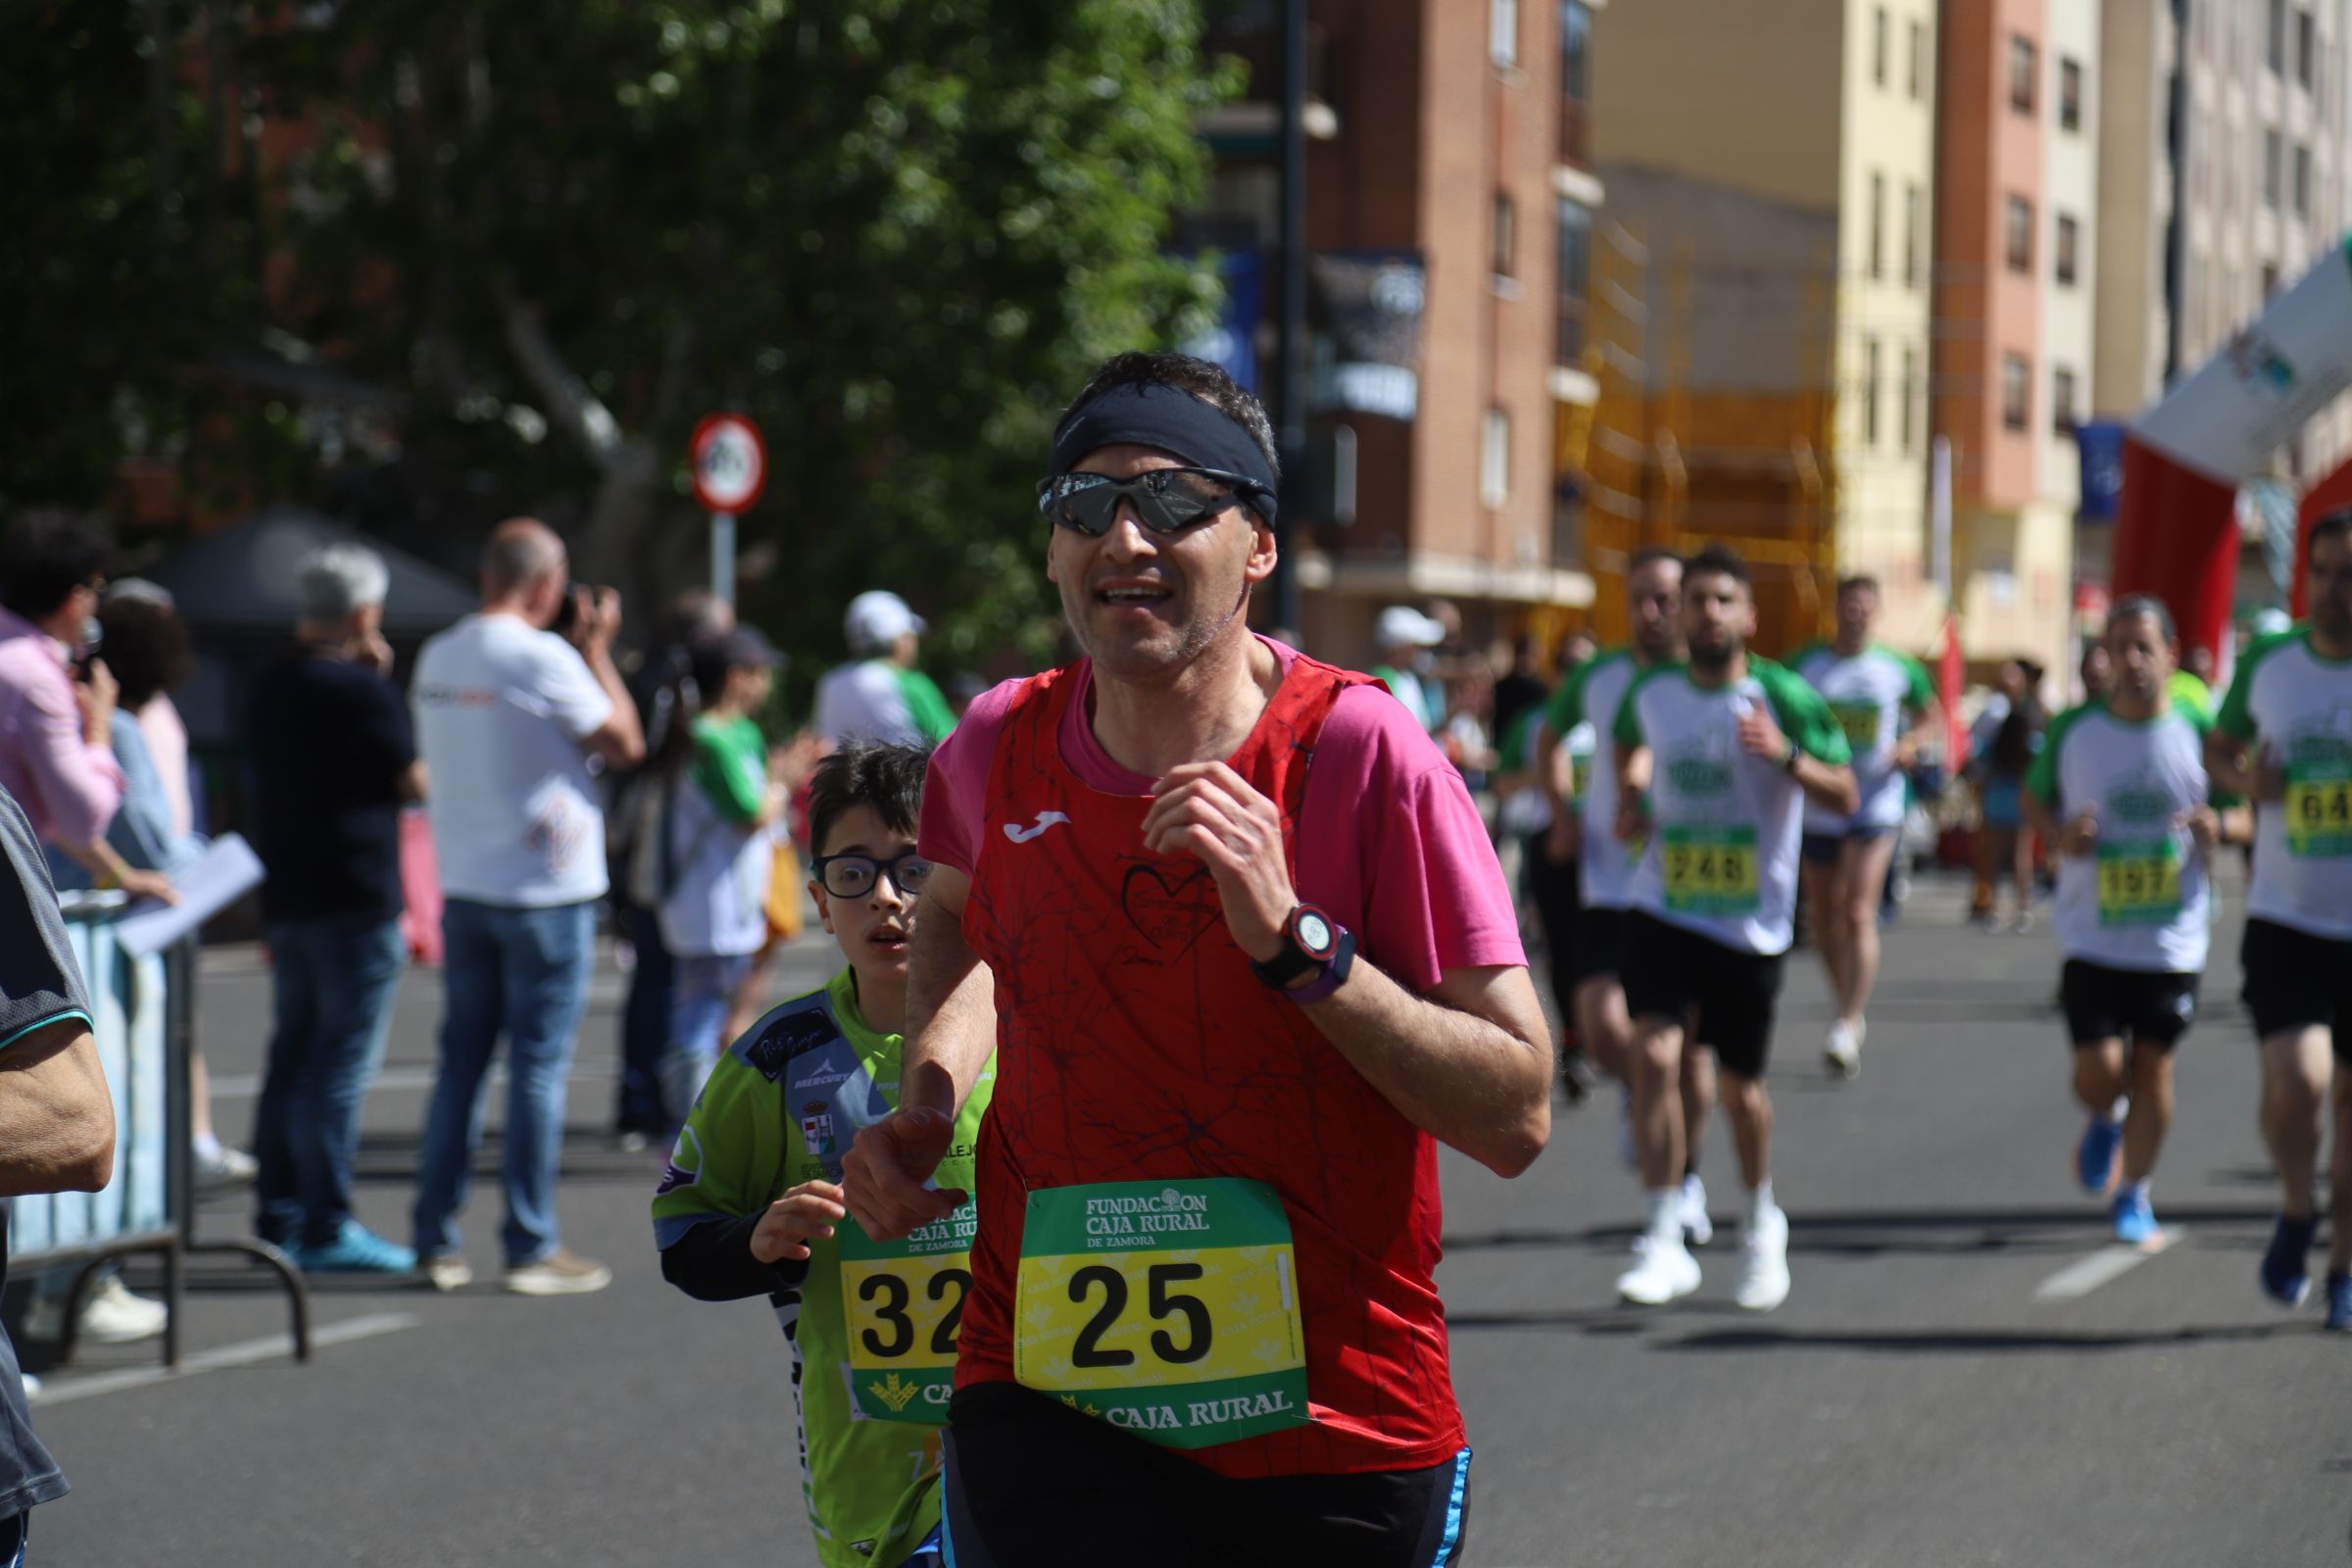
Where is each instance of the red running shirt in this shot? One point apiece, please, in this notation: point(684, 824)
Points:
point(1134, 1044)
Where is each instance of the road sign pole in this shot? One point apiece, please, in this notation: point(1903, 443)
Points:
point(722, 557)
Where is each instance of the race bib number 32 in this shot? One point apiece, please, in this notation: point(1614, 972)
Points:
point(904, 1304)
point(1709, 870)
point(1166, 1308)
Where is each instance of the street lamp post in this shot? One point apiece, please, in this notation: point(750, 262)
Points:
point(1292, 373)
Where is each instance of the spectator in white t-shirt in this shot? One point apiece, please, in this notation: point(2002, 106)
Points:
point(508, 718)
point(880, 694)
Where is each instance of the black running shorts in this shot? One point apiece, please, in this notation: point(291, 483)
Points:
point(2142, 1006)
point(1668, 972)
point(2297, 981)
point(1599, 944)
point(1032, 1484)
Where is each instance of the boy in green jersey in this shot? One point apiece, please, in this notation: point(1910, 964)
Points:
point(752, 1205)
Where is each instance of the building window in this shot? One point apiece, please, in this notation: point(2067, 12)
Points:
point(2307, 49)
point(2069, 237)
point(1502, 32)
point(2020, 234)
point(2017, 391)
point(2069, 96)
point(1903, 419)
point(2062, 402)
point(2022, 68)
point(2270, 281)
point(2274, 156)
point(1882, 29)
point(1576, 281)
point(2302, 182)
point(1918, 61)
point(1504, 238)
point(2273, 52)
point(1870, 392)
point(1576, 48)
point(1911, 235)
point(1878, 226)
point(1494, 459)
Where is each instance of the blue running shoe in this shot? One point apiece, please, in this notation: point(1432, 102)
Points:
point(2339, 1303)
point(2286, 1266)
point(357, 1250)
point(2135, 1218)
point(2094, 1158)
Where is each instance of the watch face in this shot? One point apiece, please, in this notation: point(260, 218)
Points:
point(1313, 932)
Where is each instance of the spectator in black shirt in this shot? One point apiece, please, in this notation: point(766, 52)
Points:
point(333, 761)
point(57, 1123)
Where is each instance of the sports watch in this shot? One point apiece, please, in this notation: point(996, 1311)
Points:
point(1311, 941)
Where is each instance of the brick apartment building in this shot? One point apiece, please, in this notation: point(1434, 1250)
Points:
point(1449, 218)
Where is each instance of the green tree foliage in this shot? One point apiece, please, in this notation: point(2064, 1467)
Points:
point(895, 232)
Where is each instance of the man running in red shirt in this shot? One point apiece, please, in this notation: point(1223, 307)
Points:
point(1241, 943)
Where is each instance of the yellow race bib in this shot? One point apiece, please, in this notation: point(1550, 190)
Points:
point(2318, 816)
point(1709, 870)
point(1169, 1310)
point(2140, 882)
point(902, 1303)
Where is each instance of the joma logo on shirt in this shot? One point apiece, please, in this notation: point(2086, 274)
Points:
point(1044, 820)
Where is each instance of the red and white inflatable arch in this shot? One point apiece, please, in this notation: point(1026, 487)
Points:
point(2176, 533)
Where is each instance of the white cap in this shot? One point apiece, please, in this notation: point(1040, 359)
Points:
point(2271, 623)
point(1400, 625)
point(877, 618)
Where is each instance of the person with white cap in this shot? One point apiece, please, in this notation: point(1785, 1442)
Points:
point(880, 694)
point(1402, 637)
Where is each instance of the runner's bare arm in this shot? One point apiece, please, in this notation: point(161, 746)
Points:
point(57, 1120)
point(1470, 1063)
point(1829, 785)
point(951, 1029)
point(1633, 766)
point(2236, 768)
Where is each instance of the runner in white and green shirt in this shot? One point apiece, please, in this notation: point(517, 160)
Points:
point(1883, 701)
point(750, 1203)
point(1584, 840)
point(2121, 794)
point(2284, 737)
point(1725, 749)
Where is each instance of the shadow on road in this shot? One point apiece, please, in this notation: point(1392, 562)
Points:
point(1977, 1341)
point(1865, 1234)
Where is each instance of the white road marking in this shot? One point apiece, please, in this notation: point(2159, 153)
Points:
point(2087, 1274)
point(247, 1352)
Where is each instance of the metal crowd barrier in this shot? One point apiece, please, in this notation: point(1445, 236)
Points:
point(143, 1015)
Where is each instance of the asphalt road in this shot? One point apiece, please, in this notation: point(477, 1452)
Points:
point(1932, 1393)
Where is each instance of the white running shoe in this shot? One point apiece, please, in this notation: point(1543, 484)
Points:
point(1662, 1270)
point(1698, 1229)
point(1764, 1263)
point(1844, 1052)
point(112, 1315)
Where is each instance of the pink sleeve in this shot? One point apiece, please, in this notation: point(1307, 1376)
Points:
point(955, 788)
point(80, 784)
point(1391, 843)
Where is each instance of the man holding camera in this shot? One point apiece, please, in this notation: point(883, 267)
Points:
point(508, 714)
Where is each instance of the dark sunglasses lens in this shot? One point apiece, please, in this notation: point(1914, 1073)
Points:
point(1086, 508)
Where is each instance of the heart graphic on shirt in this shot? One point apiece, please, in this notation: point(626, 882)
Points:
point(1168, 913)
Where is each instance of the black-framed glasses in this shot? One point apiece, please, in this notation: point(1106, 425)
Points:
point(853, 876)
point(1166, 500)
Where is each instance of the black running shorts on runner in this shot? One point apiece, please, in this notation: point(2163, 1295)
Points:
point(2297, 981)
point(1599, 944)
point(1032, 1484)
point(1668, 972)
point(2146, 1007)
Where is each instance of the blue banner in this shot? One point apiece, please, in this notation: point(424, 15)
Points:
point(1232, 343)
point(2101, 444)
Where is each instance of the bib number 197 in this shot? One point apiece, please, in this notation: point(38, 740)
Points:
point(1170, 1310)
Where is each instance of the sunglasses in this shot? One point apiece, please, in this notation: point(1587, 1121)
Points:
point(1166, 500)
point(853, 876)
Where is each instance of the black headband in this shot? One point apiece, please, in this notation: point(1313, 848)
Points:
point(1152, 414)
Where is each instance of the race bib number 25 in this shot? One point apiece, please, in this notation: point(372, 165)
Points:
point(1169, 1310)
point(903, 1302)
